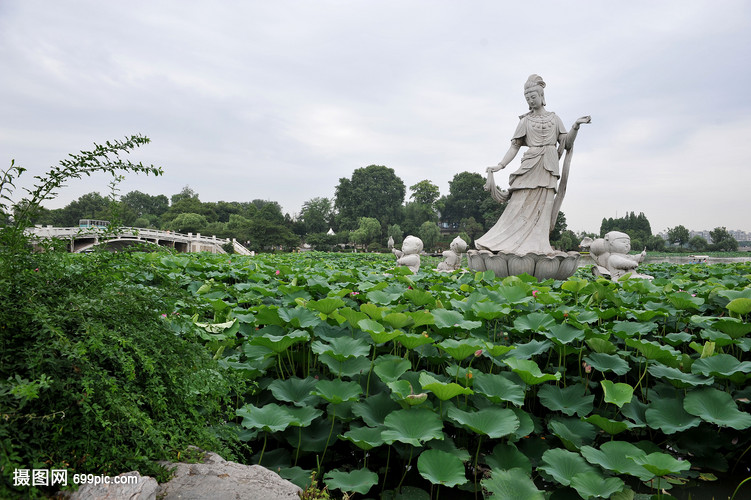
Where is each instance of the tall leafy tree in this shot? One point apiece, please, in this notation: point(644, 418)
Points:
point(424, 192)
point(368, 231)
point(317, 215)
point(374, 191)
point(466, 196)
point(722, 240)
point(678, 235)
point(429, 234)
point(144, 204)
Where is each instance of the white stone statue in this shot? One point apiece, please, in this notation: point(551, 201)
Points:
point(409, 255)
point(453, 257)
point(534, 195)
point(612, 259)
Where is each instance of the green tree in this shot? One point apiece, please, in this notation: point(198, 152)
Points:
point(142, 204)
point(678, 235)
point(188, 223)
point(415, 214)
point(317, 215)
point(465, 198)
point(568, 241)
point(429, 233)
point(698, 244)
point(472, 228)
point(722, 240)
point(425, 193)
point(636, 226)
point(368, 231)
point(374, 191)
point(655, 243)
point(89, 206)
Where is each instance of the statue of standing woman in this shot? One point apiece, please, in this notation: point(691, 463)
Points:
point(537, 188)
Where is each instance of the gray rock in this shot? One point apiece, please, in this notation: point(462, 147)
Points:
point(219, 479)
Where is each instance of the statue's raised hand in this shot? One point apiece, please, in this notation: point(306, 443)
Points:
point(584, 119)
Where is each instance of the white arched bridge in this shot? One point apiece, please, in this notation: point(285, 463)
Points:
point(87, 236)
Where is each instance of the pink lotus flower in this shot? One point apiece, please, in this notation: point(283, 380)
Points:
point(478, 353)
point(534, 293)
point(277, 272)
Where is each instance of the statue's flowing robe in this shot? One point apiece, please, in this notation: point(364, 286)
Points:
point(524, 226)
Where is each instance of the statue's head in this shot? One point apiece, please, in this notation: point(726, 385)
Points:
point(535, 83)
point(412, 245)
point(619, 242)
point(458, 245)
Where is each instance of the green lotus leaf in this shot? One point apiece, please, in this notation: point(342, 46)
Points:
point(592, 484)
point(536, 322)
point(377, 331)
point(413, 340)
point(421, 318)
point(449, 446)
point(365, 438)
point(352, 316)
point(677, 377)
point(375, 312)
point(661, 464)
point(564, 334)
point(373, 410)
point(489, 310)
point(684, 300)
point(529, 371)
point(607, 363)
point(325, 306)
point(513, 483)
point(390, 368)
point(526, 425)
point(678, 338)
point(653, 350)
point(440, 467)
point(414, 426)
point(613, 456)
point(294, 390)
point(720, 365)
point(574, 284)
point(497, 350)
point(619, 394)
point(299, 317)
point(733, 327)
point(338, 391)
point(569, 400)
point(303, 416)
point(506, 456)
point(460, 349)
point(531, 348)
point(420, 298)
point(492, 422)
point(270, 417)
point(498, 388)
point(629, 329)
point(573, 432)
point(612, 427)
point(516, 293)
point(351, 367)
point(385, 297)
point(357, 481)
point(453, 320)
point(397, 320)
point(371, 326)
point(442, 390)
point(717, 407)
point(599, 345)
point(341, 348)
point(281, 343)
point(669, 416)
point(562, 465)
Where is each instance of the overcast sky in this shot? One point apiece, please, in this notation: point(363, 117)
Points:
point(279, 99)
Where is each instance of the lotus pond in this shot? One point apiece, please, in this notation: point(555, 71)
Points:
point(460, 385)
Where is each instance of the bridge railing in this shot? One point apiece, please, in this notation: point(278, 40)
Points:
point(43, 232)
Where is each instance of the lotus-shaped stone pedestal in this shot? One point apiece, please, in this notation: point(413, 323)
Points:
point(558, 266)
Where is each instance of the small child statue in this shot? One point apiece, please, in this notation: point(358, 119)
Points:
point(409, 255)
point(611, 256)
point(453, 256)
